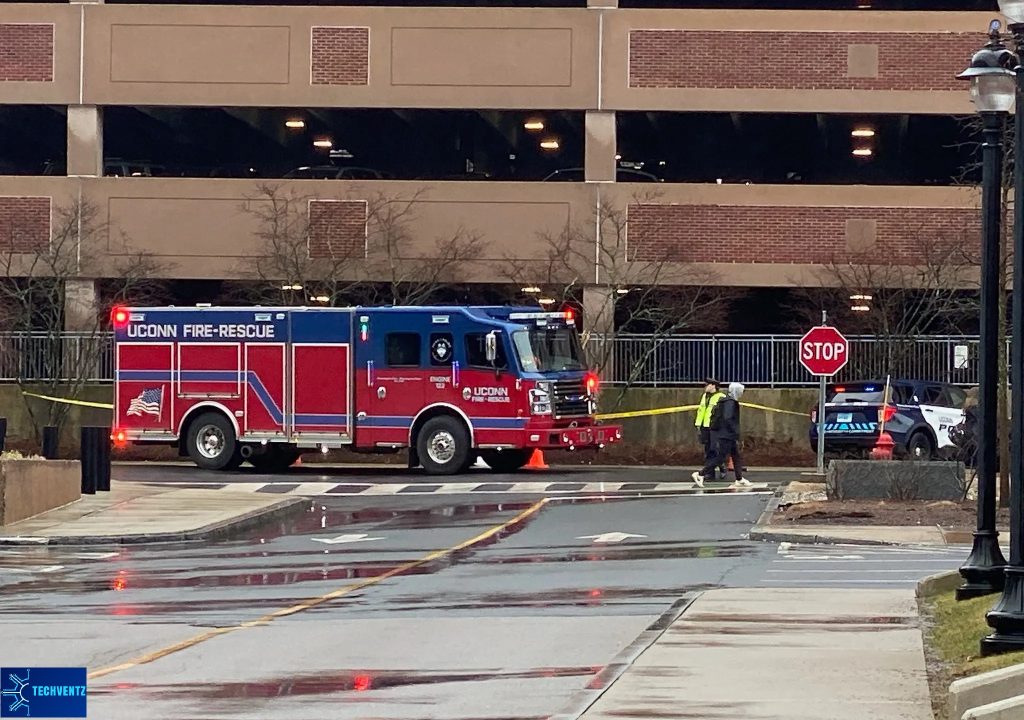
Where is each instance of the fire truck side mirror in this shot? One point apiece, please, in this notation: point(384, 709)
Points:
point(491, 347)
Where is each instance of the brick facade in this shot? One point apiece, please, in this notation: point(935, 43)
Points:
point(26, 53)
point(799, 60)
point(337, 229)
point(805, 235)
point(340, 56)
point(24, 223)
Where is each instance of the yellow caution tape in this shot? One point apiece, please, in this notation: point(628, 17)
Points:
point(687, 408)
point(603, 416)
point(644, 413)
point(69, 401)
point(775, 410)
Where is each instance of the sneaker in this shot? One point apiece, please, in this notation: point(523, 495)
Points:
point(743, 482)
point(698, 479)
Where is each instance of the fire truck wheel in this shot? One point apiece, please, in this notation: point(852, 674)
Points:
point(505, 461)
point(443, 445)
point(212, 444)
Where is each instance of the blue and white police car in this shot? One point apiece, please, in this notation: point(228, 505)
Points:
point(918, 416)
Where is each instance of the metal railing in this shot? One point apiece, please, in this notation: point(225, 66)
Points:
point(39, 357)
point(642, 360)
point(773, 361)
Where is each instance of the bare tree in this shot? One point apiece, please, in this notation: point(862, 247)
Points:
point(36, 293)
point(388, 263)
point(641, 288)
point(932, 292)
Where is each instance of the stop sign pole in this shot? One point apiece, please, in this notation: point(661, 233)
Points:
point(823, 357)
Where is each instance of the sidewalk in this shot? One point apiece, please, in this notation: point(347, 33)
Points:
point(137, 513)
point(786, 654)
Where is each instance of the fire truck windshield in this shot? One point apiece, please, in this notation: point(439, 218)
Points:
point(548, 349)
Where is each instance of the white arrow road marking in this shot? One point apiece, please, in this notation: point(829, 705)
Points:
point(346, 539)
point(610, 537)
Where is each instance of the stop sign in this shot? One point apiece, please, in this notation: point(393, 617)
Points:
point(824, 351)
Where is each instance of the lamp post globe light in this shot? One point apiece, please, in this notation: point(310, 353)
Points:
point(1007, 617)
point(993, 90)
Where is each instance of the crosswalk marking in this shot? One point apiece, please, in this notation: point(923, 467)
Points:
point(314, 489)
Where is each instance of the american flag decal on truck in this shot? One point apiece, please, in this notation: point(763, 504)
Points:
point(147, 403)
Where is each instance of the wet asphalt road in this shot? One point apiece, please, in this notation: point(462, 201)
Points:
point(517, 625)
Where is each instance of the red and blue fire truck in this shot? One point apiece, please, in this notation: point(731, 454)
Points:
point(228, 385)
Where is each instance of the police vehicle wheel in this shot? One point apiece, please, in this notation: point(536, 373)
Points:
point(505, 461)
point(920, 447)
point(276, 459)
point(443, 445)
point(212, 444)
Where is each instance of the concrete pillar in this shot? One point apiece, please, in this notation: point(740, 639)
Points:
point(599, 160)
point(81, 305)
point(85, 140)
point(599, 309)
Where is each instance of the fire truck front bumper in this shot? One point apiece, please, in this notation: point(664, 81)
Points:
point(573, 438)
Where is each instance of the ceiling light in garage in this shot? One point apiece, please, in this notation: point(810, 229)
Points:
point(295, 124)
point(533, 125)
point(549, 144)
point(863, 132)
point(863, 152)
point(323, 143)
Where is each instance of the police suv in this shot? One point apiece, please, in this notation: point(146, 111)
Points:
point(918, 416)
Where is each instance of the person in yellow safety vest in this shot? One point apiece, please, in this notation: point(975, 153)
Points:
point(711, 397)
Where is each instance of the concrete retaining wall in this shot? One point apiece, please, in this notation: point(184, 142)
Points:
point(30, 487)
point(756, 424)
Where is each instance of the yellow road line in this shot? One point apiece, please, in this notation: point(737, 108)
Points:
point(313, 602)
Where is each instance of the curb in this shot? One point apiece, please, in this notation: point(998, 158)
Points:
point(939, 583)
point(277, 511)
point(583, 700)
point(767, 534)
point(769, 509)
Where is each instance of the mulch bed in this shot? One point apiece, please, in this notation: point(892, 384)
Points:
point(883, 512)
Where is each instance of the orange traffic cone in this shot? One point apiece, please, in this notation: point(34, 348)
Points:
point(537, 461)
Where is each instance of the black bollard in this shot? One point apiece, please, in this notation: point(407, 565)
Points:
point(92, 459)
point(51, 440)
point(3, 433)
point(104, 441)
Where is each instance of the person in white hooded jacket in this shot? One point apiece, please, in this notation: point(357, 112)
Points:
point(725, 430)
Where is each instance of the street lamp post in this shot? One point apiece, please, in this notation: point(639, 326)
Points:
point(1007, 617)
point(992, 92)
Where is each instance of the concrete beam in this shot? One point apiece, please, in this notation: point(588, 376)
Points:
point(1011, 709)
point(982, 690)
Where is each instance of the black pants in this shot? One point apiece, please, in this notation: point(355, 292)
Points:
point(724, 449)
point(710, 443)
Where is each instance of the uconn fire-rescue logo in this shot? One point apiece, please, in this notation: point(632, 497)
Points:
point(486, 394)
